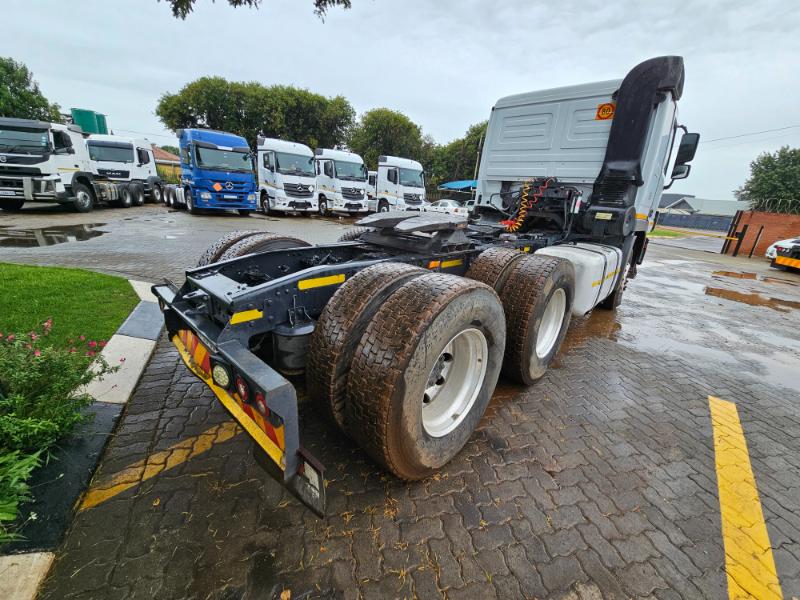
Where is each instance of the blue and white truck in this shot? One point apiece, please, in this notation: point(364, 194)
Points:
point(216, 172)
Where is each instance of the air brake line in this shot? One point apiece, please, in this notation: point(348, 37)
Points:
point(514, 224)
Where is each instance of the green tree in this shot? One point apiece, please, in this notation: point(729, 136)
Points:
point(20, 96)
point(250, 109)
point(173, 149)
point(774, 182)
point(456, 161)
point(182, 8)
point(383, 131)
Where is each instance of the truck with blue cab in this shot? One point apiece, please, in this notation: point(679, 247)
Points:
point(216, 172)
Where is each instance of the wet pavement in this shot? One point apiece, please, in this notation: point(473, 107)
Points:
point(601, 481)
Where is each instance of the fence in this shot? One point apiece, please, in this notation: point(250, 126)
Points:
point(695, 221)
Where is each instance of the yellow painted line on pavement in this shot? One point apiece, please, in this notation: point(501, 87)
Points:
point(748, 553)
point(158, 462)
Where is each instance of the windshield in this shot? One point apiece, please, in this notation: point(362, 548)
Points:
point(223, 160)
point(294, 164)
point(24, 140)
point(350, 171)
point(411, 178)
point(121, 153)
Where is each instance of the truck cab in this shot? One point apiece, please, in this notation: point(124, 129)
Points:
point(216, 171)
point(372, 180)
point(400, 185)
point(286, 178)
point(341, 181)
point(119, 159)
point(42, 162)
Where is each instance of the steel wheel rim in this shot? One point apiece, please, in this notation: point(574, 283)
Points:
point(384, 208)
point(550, 326)
point(454, 382)
point(83, 198)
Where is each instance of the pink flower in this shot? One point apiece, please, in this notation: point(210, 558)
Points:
point(37, 352)
point(92, 344)
point(34, 337)
point(11, 337)
point(102, 343)
point(73, 349)
point(90, 353)
point(82, 338)
point(48, 324)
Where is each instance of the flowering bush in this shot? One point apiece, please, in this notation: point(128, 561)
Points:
point(41, 399)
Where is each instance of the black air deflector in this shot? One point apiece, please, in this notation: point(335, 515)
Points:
point(642, 90)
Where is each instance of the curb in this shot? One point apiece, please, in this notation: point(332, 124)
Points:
point(131, 348)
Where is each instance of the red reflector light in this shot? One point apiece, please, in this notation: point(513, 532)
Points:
point(241, 387)
point(261, 404)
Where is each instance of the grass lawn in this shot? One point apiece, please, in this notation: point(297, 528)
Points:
point(657, 232)
point(79, 302)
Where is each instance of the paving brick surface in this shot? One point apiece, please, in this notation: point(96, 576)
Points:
point(597, 482)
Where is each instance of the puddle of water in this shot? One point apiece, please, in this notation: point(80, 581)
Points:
point(48, 236)
point(753, 299)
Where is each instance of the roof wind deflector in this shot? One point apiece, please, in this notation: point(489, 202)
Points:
point(637, 97)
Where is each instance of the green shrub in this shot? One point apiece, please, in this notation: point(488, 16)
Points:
point(42, 398)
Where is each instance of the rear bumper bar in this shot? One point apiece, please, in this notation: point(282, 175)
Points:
point(272, 424)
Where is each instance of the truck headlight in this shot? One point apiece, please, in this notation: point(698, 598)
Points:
point(205, 195)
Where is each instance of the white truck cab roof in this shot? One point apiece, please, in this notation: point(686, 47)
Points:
point(277, 145)
point(341, 155)
point(395, 161)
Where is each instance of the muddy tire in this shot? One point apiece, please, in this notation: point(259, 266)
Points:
point(339, 330)
point(493, 266)
point(424, 371)
point(214, 251)
point(537, 298)
point(353, 234)
point(137, 193)
point(261, 242)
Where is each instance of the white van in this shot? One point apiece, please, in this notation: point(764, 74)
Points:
point(341, 182)
point(119, 159)
point(400, 185)
point(286, 178)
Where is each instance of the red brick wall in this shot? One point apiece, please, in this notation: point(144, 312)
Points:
point(777, 226)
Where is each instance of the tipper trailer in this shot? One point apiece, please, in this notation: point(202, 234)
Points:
point(403, 327)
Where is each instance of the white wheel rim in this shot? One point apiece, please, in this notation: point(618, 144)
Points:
point(84, 199)
point(384, 208)
point(550, 326)
point(454, 382)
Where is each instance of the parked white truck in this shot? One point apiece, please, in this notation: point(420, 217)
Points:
point(341, 182)
point(117, 159)
point(49, 162)
point(286, 177)
point(400, 185)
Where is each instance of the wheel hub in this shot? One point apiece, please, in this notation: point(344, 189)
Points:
point(550, 326)
point(454, 382)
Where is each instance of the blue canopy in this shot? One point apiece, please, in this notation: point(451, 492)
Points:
point(466, 184)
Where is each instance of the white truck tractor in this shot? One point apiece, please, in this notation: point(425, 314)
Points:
point(286, 177)
point(115, 159)
point(341, 182)
point(372, 181)
point(49, 162)
point(400, 185)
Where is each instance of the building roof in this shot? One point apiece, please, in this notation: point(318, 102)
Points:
point(670, 200)
point(725, 208)
point(161, 155)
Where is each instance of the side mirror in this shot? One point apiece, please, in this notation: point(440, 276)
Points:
point(687, 149)
point(680, 171)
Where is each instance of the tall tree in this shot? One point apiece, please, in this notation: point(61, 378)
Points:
point(182, 8)
point(20, 96)
point(384, 131)
point(250, 109)
point(774, 182)
point(456, 160)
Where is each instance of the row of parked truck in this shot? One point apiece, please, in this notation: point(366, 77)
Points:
point(53, 162)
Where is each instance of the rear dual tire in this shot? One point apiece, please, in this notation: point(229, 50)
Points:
point(242, 242)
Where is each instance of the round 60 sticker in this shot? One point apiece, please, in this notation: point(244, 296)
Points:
point(605, 111)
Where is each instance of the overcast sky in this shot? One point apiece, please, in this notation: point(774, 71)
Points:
point(441, 62)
